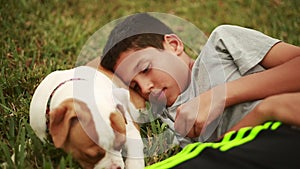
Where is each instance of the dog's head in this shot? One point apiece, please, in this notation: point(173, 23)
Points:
point(73, 129)
point(91, 125)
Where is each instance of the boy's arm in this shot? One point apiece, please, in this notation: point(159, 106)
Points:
point(283, 107)
point(282, 75)
point(280, 53)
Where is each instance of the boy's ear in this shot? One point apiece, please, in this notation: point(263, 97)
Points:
point(174, 43)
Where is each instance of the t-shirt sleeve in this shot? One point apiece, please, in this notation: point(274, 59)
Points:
point(246, 47)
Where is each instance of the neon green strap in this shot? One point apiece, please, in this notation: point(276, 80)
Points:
point(193, 150)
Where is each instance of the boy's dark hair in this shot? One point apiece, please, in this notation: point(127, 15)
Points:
point(135, 32)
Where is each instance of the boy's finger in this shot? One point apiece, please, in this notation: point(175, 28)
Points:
point(179, 126)
point(178, 112)
point(195, 131)
point(191, 133)
point(184, 123)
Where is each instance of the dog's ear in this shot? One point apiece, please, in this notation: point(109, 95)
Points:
point(138, 101)
point(118, 125)
point(61, 120)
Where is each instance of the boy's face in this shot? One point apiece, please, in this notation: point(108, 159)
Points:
point(157, 75)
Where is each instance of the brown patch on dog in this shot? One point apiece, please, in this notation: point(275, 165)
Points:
point(75, 136)
point(60, 122)
point(118, 125)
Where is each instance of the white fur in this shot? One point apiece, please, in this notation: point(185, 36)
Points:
point(101, 96)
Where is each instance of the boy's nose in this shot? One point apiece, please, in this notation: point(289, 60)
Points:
point(145, 86)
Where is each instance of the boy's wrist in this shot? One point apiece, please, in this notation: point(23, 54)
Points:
point(231, 97)
point(239, 91)
point(219, 94)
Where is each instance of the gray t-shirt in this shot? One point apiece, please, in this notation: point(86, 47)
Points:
point(230, 53)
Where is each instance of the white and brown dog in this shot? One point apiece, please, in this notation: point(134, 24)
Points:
point(89, 116)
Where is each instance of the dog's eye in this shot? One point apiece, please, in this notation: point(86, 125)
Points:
point(135, 86)
point(74, 121)
point(100, 155)
point(94, 157)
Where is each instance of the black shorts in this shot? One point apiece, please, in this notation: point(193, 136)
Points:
point(274, 146)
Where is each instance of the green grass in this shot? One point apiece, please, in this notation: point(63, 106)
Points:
point(37, 37)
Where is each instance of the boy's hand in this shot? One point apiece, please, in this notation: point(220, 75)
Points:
point(283, 107)
point(193, 116)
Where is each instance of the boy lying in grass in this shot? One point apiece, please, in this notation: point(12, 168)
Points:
point(216, 91)
point(204, 98)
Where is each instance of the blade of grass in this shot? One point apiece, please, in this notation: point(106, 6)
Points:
point(6, 154)
point(20, 148)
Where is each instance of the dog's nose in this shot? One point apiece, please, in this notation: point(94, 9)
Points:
point(115, 166)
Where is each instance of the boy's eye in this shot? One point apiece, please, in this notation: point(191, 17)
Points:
point(146, 69)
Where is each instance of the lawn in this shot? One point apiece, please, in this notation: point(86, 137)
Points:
point(38, 36)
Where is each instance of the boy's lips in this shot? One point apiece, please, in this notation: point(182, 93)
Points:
point(158, 95)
